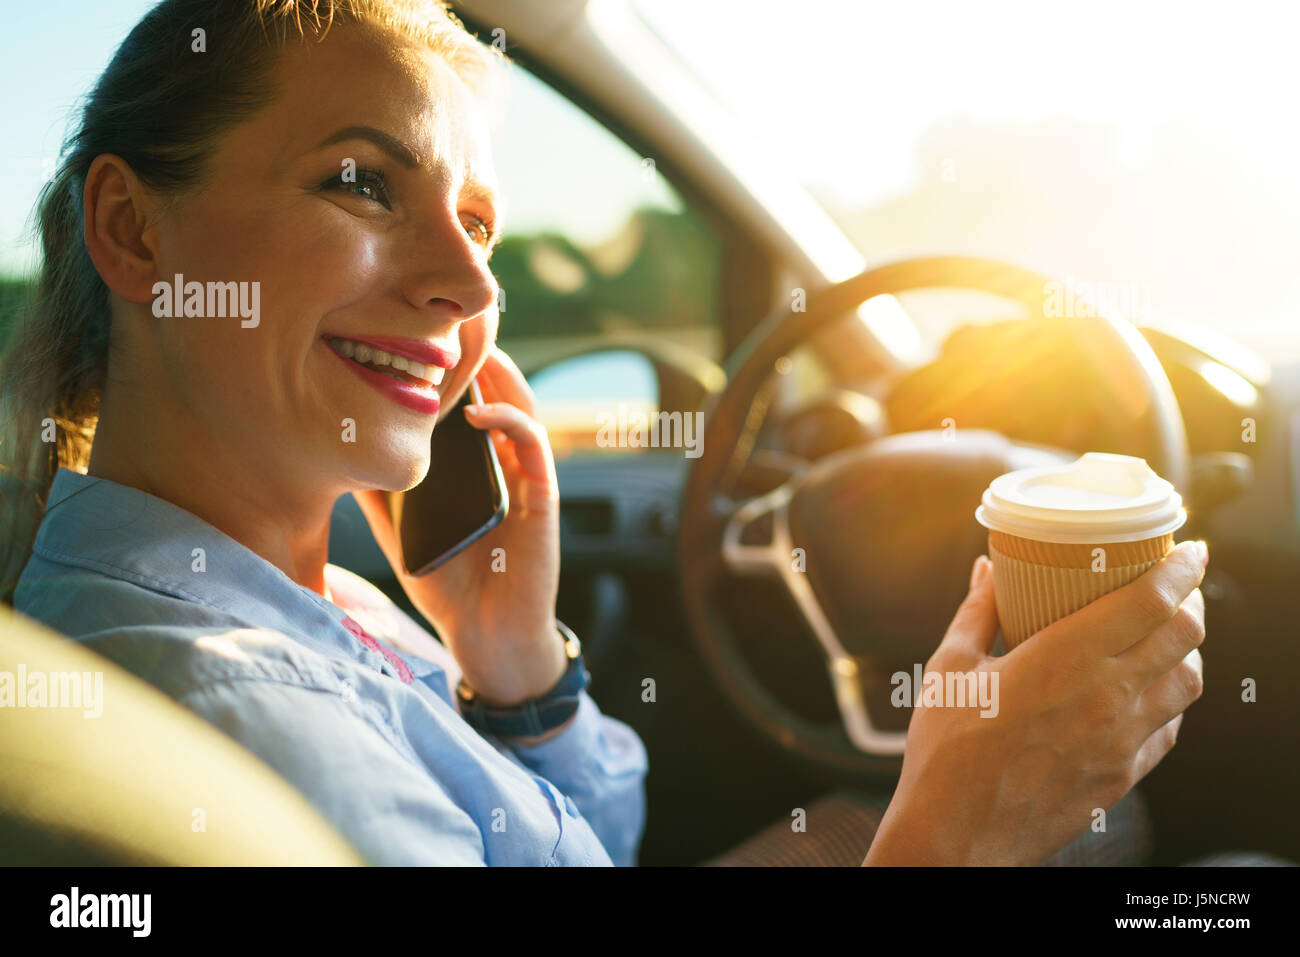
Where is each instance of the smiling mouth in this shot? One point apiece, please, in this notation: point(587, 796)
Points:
point(404, 370)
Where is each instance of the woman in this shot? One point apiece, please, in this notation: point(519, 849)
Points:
point(350, 179)
point(333, 154)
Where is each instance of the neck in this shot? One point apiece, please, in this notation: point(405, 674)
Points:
point(263, 504)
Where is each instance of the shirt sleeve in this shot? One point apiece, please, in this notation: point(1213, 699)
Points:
point(601, 764)
point(389, 811)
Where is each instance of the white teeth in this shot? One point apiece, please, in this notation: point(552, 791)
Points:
point(432, 374)
point(363, 353)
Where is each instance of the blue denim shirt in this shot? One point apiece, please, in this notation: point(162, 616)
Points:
point(368, 733)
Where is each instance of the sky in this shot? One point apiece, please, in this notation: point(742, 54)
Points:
point(847, 88)
point(50, 54)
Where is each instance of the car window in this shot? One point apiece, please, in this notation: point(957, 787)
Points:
point(597, 244)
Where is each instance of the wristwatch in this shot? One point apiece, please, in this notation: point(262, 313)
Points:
point(536, 716)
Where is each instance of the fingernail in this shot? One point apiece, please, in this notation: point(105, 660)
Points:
point(1204, 548)
point(473, 409)
point(977, 572)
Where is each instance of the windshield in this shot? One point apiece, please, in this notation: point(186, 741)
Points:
point(1148, 150)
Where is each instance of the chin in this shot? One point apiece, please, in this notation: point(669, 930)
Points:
point(395, 469)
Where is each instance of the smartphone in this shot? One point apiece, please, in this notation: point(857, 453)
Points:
point(461, 499)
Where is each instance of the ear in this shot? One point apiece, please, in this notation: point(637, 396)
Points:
point(119, 231)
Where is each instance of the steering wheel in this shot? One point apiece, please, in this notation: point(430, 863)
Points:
point(724, 534)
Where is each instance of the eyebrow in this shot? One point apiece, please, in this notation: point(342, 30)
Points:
point(389, 144)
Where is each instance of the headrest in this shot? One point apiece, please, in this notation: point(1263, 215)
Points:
point(121, 774)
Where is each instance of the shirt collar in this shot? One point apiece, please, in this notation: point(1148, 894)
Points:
point(127, 533)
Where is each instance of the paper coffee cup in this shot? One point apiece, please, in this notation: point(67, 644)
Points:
point(1061, 536)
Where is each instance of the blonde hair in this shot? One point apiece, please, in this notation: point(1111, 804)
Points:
point(162, 110)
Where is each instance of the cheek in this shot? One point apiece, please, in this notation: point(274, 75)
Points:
point(315, 266)
point(308, 256)
point(476, 339)
point(319, 264)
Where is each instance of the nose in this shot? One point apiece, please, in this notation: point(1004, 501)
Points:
point(448, 272)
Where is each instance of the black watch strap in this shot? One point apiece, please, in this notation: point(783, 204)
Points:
point(536, 716)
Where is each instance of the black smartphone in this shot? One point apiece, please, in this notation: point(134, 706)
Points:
point(462, 498)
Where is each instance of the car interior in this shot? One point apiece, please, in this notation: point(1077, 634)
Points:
point(831, 429)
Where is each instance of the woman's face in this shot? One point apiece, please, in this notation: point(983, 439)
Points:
point(363, 202)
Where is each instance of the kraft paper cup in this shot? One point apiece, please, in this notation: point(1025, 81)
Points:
point(1062, 536)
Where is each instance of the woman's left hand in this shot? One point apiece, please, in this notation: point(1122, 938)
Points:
point(494, 603)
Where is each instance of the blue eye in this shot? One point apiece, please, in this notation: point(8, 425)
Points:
point(369, 184)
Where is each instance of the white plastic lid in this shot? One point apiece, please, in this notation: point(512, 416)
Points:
point(1099, 497)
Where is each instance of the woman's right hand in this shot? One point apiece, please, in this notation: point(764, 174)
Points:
point(1086, 707)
